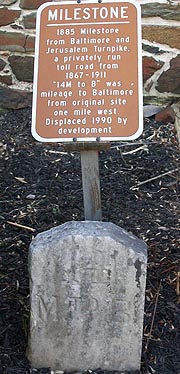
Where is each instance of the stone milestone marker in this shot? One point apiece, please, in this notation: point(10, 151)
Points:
point(87, 297)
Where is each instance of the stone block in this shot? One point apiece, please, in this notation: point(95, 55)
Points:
point(167, 11)
point(12, 41)
point(29, 20)
point(6, 79)
point(22, 67)
point(162, 34)
point(169, 81)
point(8, 16)
point(150, 66)
point(152, 49)
point(87, 284)
point(12, 98)
point(165, 115)
point(31, 4)
point(30, 43)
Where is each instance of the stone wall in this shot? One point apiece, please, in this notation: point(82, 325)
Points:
point(161, 51)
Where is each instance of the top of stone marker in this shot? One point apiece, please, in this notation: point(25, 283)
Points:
point(91, 228)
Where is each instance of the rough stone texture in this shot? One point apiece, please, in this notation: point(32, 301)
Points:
point(163, 35)
point(6, 79)
point(152, 49)
point(87, 297)
point(29, 4)
point(150, 66)
point(165, 11)
point(12, 41)
point(2, 64)
point(166, 115)
point(14, 99)
point(169, 80)
point(22, 67)
point(29, 20)
point(30, 43)
point(8, 16)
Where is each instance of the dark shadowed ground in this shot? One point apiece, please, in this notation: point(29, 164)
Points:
point(40, 187)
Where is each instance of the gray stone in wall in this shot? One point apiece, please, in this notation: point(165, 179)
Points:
point(29, 20)
point(87, 297)
point(22, 67)
point(152, 49)
point(165, 11)
point(12, 98)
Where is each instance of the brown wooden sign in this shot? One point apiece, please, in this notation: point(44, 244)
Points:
point(88, 73)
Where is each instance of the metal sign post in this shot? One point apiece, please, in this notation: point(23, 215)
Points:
point(88, 80)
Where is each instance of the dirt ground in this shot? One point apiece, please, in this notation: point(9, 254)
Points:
point(40, 187)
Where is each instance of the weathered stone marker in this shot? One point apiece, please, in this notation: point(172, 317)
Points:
point(87, 297)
